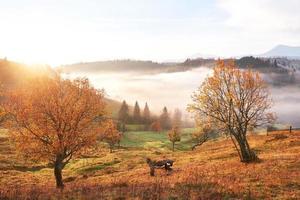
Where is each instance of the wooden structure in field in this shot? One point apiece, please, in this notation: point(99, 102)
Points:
point(160, 164)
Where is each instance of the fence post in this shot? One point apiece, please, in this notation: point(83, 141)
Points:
point(290, 129)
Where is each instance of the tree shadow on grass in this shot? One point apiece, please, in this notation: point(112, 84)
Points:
point(98, 167)
point(30, 169)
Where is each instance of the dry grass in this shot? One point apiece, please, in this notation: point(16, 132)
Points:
point(212, 171)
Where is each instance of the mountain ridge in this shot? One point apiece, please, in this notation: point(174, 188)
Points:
point(281, 50)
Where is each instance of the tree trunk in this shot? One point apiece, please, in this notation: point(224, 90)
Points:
point(111, 146)
point(247, 155)
point(58, 166)
point(237, 149)
point(203, 139)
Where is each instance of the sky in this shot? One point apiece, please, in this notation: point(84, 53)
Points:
point(59, 32)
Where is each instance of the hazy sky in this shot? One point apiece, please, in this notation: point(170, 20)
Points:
point(67, 31)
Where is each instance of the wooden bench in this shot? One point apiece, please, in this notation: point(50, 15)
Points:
point(161, 164)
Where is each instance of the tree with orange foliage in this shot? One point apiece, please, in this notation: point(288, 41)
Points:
point(55, 119)
point(174, 136)
point(110, 134)
point(234, 100)
point(155, 126)
point(3, 114)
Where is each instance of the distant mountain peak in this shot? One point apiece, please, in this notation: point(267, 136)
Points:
point(283, 51)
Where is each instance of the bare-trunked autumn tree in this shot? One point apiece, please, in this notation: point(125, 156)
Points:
point(235, 101)
point(52, 119)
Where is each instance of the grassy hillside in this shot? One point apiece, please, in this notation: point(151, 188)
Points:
point(112, 107)
point(212, 171)
point(12, 73)
point(156, 141)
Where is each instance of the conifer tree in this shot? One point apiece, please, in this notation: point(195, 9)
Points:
point(146, 114)
point(136, 113)
point(123, 114)
point(165, 120)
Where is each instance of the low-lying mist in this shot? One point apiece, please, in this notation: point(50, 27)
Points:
point(287, 104)
point(174, 90)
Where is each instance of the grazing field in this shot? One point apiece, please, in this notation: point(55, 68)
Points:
point(157, 141)
point(212, 171)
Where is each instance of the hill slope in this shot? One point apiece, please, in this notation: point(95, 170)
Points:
point(264, 65)
point(13, 74)
point(119, 66)
point(212, 171)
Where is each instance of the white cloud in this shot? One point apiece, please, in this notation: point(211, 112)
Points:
point(263, 15)
point(57, 32)
point(260, 24)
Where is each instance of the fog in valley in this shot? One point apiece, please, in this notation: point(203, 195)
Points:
point(287, 104)
point(174, 90)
